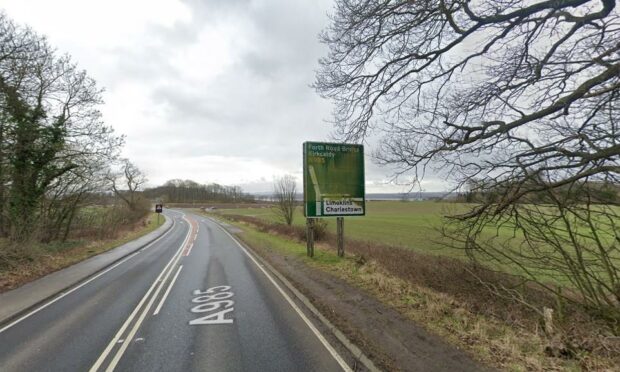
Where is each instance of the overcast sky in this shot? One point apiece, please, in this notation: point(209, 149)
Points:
point(209, 90)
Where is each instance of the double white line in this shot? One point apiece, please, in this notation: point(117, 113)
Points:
point(148, 299)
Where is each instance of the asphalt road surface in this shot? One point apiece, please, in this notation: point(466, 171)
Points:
point(193, 300)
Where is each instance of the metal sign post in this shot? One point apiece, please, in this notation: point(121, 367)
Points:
point(310, 237)
point(340, 231)
point(158, 209)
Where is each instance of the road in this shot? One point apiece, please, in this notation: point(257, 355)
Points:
point(193, 300)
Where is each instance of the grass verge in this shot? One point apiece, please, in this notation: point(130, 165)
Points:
point(37, 260)
point(432, 291)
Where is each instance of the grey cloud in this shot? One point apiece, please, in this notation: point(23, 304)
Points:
point(259, 107)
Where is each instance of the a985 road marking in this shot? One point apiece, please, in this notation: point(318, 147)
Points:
point(212, 299)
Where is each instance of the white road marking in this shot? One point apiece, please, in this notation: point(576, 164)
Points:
point(163, 299)
point(332, 351)
point(222, 298)
point(120, 332)
point(134, 330)
point(215, 318)
point(189, 250)
point(83, 284)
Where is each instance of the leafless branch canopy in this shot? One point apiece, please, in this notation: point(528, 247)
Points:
point(503, 90)
point(516, 102)
point(127, 182)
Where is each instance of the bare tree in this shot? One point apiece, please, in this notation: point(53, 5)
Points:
point(49, 122)
point(127, 183)
point(284, 192)
point(68, 194)
point(519, 99)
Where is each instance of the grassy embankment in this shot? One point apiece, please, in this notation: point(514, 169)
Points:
point(35, 260)
point(431, 291)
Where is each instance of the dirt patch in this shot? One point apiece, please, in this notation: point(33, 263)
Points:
point(391, 340)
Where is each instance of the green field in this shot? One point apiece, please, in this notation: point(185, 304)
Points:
point(411, 225)
point(415, 226)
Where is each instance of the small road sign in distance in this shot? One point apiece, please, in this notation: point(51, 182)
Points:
point(159, 208)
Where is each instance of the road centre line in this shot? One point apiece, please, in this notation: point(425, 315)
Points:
point(120, 332)
point(189, 250)
point(136, 326)
point(134, 330)
point(193, 225)
point(332, 351)
point(163, 299)
point(86, 282)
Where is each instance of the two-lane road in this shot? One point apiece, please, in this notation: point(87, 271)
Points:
point(192, 300)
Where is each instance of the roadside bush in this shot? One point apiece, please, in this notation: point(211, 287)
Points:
point(10, 256)
point(321, 232)
point(320, 229)
point(106, 222)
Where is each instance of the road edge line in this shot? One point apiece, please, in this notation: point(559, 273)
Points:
point(348, 344)
point(23, 314)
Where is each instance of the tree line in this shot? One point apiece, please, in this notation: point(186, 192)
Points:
point(188, 191)
point(598, 192)
point(56, 154)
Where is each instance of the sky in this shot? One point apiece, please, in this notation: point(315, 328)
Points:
point(208, 90)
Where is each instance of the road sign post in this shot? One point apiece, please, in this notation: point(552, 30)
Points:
point(310, 237)
point(158, 209)
point(334, 184)
point(340, 233)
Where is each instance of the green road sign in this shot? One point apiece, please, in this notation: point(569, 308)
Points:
point(333, 179)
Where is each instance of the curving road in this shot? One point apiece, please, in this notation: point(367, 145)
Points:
point(193, 300)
